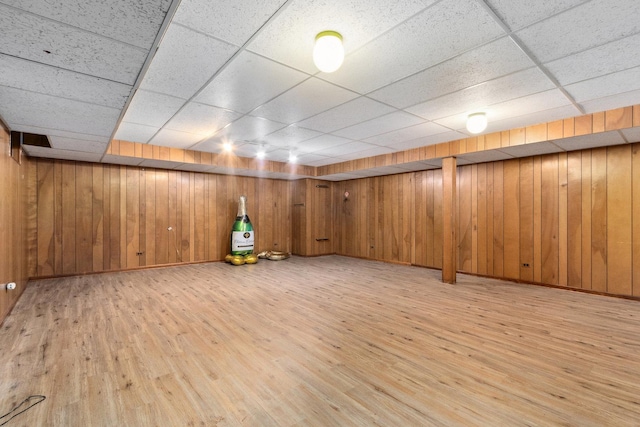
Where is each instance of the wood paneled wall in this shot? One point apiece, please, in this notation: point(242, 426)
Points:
point(13, 224)
point(569, 219)
point(93, 217)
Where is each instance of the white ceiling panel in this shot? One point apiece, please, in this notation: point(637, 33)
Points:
point(520, 13)
point(249, 81)
point(152, 109)
point(585, 142)
point(48, 80)
point(611, 84)
point(321, 142)
point(429, 140)
point(234, 22)
point(129, 22)
point(135, 133)
point(370, 152)
point(320, 161)
point(45, 111)
point(52, 153)
point(289, 38)
point(290, 136)
point(185, 61)
point(487, 62)
point(485, 156)
point(348, 114)
point(631, 135)
point(591, 24)
point(391, 139)
point(310, 159)
point(527, 150)
point(344, 149)
point(599, 61)
point(174, 138)
point(248, 129)
point(537, 117)
point(201, 119)
point(384, 124)
point(62, 143)
point(433, 33)
point(478, 97)
point(67, 47)
point(62, 133)
point(310, 97)
point(610, 102)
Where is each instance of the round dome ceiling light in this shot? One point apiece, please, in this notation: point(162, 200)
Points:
point(476, 122)
point(328, 52)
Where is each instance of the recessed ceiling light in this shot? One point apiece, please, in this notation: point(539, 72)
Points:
point(227, 146)
point(261, 154)
point(476, 122)
point(292, 157)
point(328, 52)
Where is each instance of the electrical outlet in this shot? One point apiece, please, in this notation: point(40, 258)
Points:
point(526, 264)
point(11, 286)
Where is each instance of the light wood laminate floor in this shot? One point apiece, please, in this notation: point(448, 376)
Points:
point(328, 341)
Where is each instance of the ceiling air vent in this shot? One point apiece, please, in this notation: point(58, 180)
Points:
point(24, 138)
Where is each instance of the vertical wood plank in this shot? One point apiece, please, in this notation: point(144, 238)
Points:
point(562, 219)
point(481, 226)
point(438, 230)
point(619, 223)
point(474, 218)
point(489, 238)
point(586, 219)
point(512, 219)
point(464, 231)
point(84, 215)
point(45, 219)
point(68, 218)
point(526, 219)
point(635, 182)
point(132, 209)
point(449, 226)
point(574, 219)
point(549, 220)
point(498, 219)
point(599, 254)
point(537, 219)
point(97, 221)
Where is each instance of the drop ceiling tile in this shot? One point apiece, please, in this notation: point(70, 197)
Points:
point(201, 119)
point(586, 26)
point(391, 139)
point(185, 61)
point(234, 22)
point(486, 156)
point(611, 84)
point(493, 60)
point(121, 160)
point(174, 138)
point(159, 164)
point(191, 167)
point(429, 140)
point(135, 23)
point(536, 149)
point(310, 97)
point(520, 13)
point(344, 149)
point(599, 61)
point(278, 155)
point(57, 132)
point(612, 102)
point(249, 81)
point(371, 152)
point(290, 37)
point(322, 161)
point(28, 75)
point(290, 136)
point(586, 142)
point(135, 133)
point(248, 128)
point(513, 108)
point(309, 158)
point(631, 135)
point(52, 153)
point(70, 48)
point(248, 150)
point(152, 109)
point(350, 113)
point(536, 117)
point(388, 123)
point(320, 143)
point(34, 109)
point(478, 97)
point(72, 144)
point(434, 33)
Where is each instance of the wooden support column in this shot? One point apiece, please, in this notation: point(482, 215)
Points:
point(449, 220)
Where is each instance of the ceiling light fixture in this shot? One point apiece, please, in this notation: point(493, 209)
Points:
point(261, 153)
point(328, 52)
point(292, 157)
point(227, 146)
point(476, 122)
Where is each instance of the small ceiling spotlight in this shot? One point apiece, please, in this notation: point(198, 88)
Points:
point(227, 146)
point(328, 52)
point(261, 153)
point(476, 122)
point(292, 157)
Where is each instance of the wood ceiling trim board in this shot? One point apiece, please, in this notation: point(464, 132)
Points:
point(636, 115)
point(620, 118)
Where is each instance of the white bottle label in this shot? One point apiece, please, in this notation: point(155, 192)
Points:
point(241, 241)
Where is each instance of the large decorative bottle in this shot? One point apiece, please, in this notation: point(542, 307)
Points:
point(242, 231)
